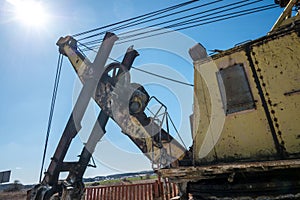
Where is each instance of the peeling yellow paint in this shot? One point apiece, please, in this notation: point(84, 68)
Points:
point(272, 67)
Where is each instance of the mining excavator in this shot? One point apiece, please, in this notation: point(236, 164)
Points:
point(245, 121)
point(119, 99)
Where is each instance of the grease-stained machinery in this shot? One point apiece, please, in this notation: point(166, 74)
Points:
point(245, 122)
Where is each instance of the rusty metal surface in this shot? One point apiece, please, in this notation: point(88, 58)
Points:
point(286, 16)
point(183, 174)
point(50, 184)
point(74, 123)
point(142, 191)
point(238, 139)
point(272, 67)
point(235, 90)
point(114, 100)
point(255, 180)
point(277, 63)
point(263, 197)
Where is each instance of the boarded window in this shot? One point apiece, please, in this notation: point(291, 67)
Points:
point(235, 91)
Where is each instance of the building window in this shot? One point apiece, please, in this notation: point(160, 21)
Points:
point(235, 90)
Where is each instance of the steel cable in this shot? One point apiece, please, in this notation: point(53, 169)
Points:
point(138, 17)
point(183, 25)
point(193, 20)
point(146, 20)
point(222, 18)
point(207, 20)
point(54, 93)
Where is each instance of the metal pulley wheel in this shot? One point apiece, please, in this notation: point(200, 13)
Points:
point(116, 72)
point(119, 77)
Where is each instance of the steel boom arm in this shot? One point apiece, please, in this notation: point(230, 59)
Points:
point(159, 146)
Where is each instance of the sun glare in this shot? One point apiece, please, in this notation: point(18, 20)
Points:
point(29, 12)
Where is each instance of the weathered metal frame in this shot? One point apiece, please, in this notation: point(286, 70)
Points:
point(286, 14)
point(196, 173)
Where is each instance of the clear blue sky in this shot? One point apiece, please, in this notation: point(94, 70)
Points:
point(28, 63)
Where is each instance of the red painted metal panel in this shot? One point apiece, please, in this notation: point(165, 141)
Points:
point(115, 193)
point(127, 193)
point(145, 191)
point(104, 193)
point(99, 190)
point(93, 193)
point(87, 191)
point(175, 190)
point(150, 189)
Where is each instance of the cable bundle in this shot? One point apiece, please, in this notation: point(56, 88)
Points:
point(175, 18)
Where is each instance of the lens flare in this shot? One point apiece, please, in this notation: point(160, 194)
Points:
point(29, 12)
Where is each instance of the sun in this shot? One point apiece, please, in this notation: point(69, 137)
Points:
point(29, 12)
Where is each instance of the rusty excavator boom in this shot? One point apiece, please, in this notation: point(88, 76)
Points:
point(119, 99)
